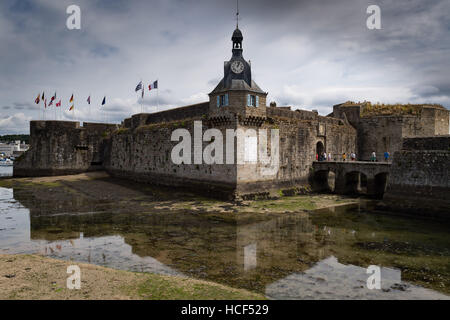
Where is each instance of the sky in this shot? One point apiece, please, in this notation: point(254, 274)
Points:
point(306, 54)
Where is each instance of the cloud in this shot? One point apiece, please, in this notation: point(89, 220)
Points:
point(18, 122)
point(312, 54)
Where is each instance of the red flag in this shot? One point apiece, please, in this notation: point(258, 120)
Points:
point(89, 100)
point(58, 104)
point(45, 102)
point(38, 99)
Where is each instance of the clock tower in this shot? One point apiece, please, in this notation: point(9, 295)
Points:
point(237, 68)
point(237, 94)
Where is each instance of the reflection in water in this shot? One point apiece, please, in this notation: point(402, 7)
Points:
point(6, 171)
point(294, 256)
point(329, 279)
point(250, 257)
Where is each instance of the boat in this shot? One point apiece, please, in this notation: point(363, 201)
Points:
point(6, 162)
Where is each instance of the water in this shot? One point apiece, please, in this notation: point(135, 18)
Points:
point(6, 171)
point(318, 255)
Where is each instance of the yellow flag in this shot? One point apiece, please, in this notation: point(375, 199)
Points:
point(71, 108)
point(71, 99)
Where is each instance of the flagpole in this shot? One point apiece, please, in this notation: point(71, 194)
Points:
point(142, 96)
point(157, 93)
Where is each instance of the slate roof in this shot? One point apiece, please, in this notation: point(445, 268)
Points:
point(238, 85)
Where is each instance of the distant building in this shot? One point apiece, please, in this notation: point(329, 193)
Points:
point(13, 149)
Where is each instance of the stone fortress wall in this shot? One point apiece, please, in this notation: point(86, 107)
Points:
point(63, 147)
point(419, 181)
point(140, 149)
point(380, 132)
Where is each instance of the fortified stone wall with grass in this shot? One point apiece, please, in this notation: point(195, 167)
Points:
point(300, 132)
point(144, 154)
point(419, 179)
point(141, 149)
point(382, 127)
point(63, 147)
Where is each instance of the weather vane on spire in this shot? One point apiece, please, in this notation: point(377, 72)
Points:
point(237, 14)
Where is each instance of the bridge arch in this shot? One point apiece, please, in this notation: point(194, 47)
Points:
point(357, 177)
point(355, 182)
point(380, 184)
point(324, 180)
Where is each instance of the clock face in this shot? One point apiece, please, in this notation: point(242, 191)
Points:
point(237, 67)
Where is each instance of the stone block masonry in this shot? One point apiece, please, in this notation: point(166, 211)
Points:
point(419, 181)
point(380, 132)
point(140, 149)
point(63, 147)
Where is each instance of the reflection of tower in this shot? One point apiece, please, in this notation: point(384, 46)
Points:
point(250, 258)
point(276, 242)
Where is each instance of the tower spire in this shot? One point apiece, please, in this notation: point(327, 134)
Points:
point(237, 14)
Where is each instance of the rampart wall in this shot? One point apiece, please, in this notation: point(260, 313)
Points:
point(419, 181)
point(63, 147)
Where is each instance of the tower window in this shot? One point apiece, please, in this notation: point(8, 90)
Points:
point(222, 100)
point(252, 100)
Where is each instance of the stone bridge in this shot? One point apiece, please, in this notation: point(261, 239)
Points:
point(350, 177)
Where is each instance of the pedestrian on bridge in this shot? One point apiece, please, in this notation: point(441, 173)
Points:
point(329, 156)
point(386, 156)
point(373, 158)
point(344, 156)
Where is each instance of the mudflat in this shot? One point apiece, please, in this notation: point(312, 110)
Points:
point(37, 277)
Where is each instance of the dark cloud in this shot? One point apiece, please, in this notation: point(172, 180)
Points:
point(308, 54)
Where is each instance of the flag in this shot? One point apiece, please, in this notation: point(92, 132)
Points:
point(38, 99)
point(42, 96)
point(71, 98)
point(45, 103)
point(138, 87)
point(142, 96)
point(53, 98)
point(154, 85)
point(51, 102)
point(58, 104)
point(104, 101)
point(89, 100)
point(71, 108)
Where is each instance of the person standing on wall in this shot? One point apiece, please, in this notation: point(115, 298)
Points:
point(344, 156)
point(373, 158)
point(329, 156)
point(386, 156)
